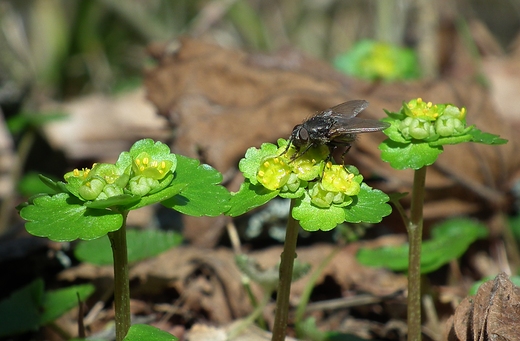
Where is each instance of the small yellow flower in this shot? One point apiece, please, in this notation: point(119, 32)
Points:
point(146, 166)
point(273, 173)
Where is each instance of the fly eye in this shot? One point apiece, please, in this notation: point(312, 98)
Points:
point(303, 134)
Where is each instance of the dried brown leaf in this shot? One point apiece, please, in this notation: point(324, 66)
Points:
point(493, 314)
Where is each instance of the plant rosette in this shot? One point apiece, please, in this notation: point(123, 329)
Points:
point(325, 194)
point(92, 202)
point(418, 132)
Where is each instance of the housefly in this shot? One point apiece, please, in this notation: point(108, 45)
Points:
point(334, 127)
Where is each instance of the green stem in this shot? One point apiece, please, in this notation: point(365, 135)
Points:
point(414, 258)
point(285, 277)
point(121, 281)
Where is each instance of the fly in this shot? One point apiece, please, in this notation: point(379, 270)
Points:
point(333, 127)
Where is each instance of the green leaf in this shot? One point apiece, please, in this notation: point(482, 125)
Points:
point(119, 200)
point(369, 206)
point(31, 184)
point(248, 197)
point(514, 225)
point(33, 119)
point(202, 195)
point(451, 140)
point(310, 330)
point(486, 138)
point(313, 218)
point(450, 240)
point(63, 217)
point(140, 245)
point(58, 302)
point(412, 155)
point(20, 312)
point(143, 332)
point(53, 185)
point(30, 307)
point(452, 237)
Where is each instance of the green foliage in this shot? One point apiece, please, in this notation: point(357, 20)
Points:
point(203, 194)
point(58, 302)
point(31, 184)
point(376, 60)
point(514, 224)
point(248, 197)
point(143, 332)
point(326, 194)
point(410, 155)
point(31, 307)
point(337, 336)
point(140, 245)
point(25, 119)
point(418, 132)
point(92, 202)
point(63, 217)
point(449, 241)
point(309, 331)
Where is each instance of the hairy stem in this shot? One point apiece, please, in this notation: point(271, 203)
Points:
point(121, 282)
point(285, 277)
point(414, 258)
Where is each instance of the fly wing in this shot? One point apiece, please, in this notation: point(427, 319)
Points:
point(355, 125)
point(347, 110)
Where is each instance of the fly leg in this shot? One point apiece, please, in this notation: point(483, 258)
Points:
point(343, 154)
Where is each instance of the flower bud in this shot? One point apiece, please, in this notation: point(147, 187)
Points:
point(320, 196)
point(416, 128)
point(91, 189)
point(292, 184)
point(112, 190)
point(142, 185)
point(455, 112)
point(447, 125)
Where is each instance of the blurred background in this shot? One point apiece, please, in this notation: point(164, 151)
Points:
point(62, 49)
point(80, 81)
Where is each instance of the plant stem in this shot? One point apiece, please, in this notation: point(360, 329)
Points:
point(285, 277)
point(121, 282)
point(414, 257)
